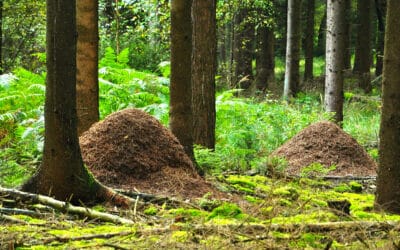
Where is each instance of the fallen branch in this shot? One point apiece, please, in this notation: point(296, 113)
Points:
point(63, 206)
point(4, 210)
point(86, 237)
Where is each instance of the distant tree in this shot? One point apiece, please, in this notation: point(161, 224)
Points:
point(362, 60)
point(321, 37)
point(204, 63)
point(380, 8)
point(336, 27)
point(388, 185)
point(62, 173)
point(347, 36)
point(243, 47)
point(265, 64)
point(292, 69)
point(181, 114)
point(87, 87)
point(309, 40)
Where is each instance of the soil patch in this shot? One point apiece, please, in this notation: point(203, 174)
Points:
point(132, 150)
point(326, 143)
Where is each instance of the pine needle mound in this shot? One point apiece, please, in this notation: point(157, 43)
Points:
point(326, 143)
point(132, 150)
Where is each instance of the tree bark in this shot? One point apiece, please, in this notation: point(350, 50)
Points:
point(347, 36)
point(62, 173)
point(380, 6)
point(362, 60)
point(181, 113)
point(292, 70)
point(265, 63)
point(204, 66)
point(87, 87)
point(388, 185)
point(336, 26)
point(309, 41)
point(243, 50)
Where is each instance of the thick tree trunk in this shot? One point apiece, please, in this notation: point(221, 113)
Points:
point(309, 41)
point(380, 6)
point(181, 114)
point(336, 27)
point(388, 184)
point(62, 173)
point(362, 61)
point(203, 72)
point(265, 63)
point(292, 70)
point(87, 87)
point(243, 50)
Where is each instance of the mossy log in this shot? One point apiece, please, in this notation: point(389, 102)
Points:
point(63, 206)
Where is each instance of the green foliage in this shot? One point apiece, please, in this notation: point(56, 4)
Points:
point(316, 170)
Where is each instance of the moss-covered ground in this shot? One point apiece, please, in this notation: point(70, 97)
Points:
point(264, 213)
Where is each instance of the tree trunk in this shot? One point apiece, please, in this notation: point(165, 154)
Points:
point(388, 184)
point(181, 114)
point(62, 173)
point(292, 70)
point(1, 37)
point(87, 87)
point(309, 41)
point(203, 72)
point(336, 27)
point(362, 61)
point(243, 50)
point(265, 63)
point(380, 6)
point(320, 50)
point(347, 36)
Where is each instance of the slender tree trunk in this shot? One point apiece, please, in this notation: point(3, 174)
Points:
point(62, 173)
point(309, 41)
point(347, 36)
point(243, 49)
point(320, 49)
point(362, 61)
point(117, 46)
point(181, 114)
point(292, 70)
point(87, 88)
point(265, 64)
point(203, 71)
point(336, 27)
point(380, 6)
point(388, 184)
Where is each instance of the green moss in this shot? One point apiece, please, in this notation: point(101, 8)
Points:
point(226, 210)
point(195, 213)
point(290, 193)
point(243, 181)
point(356, 187)
point(180, 236)
point(151, 210)
point(342, 188)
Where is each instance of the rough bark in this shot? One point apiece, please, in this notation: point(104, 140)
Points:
point(309, 40)
point(362, 60)
point(388, 185)
point(336, 25)
point(292, 70)
point(87, 87)
point(203, 72)
point(243, 50)
point(181, 114)
point(265, 63)
point(380, 8)
point(62, 173)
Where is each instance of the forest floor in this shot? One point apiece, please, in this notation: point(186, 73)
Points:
point(328, 204)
